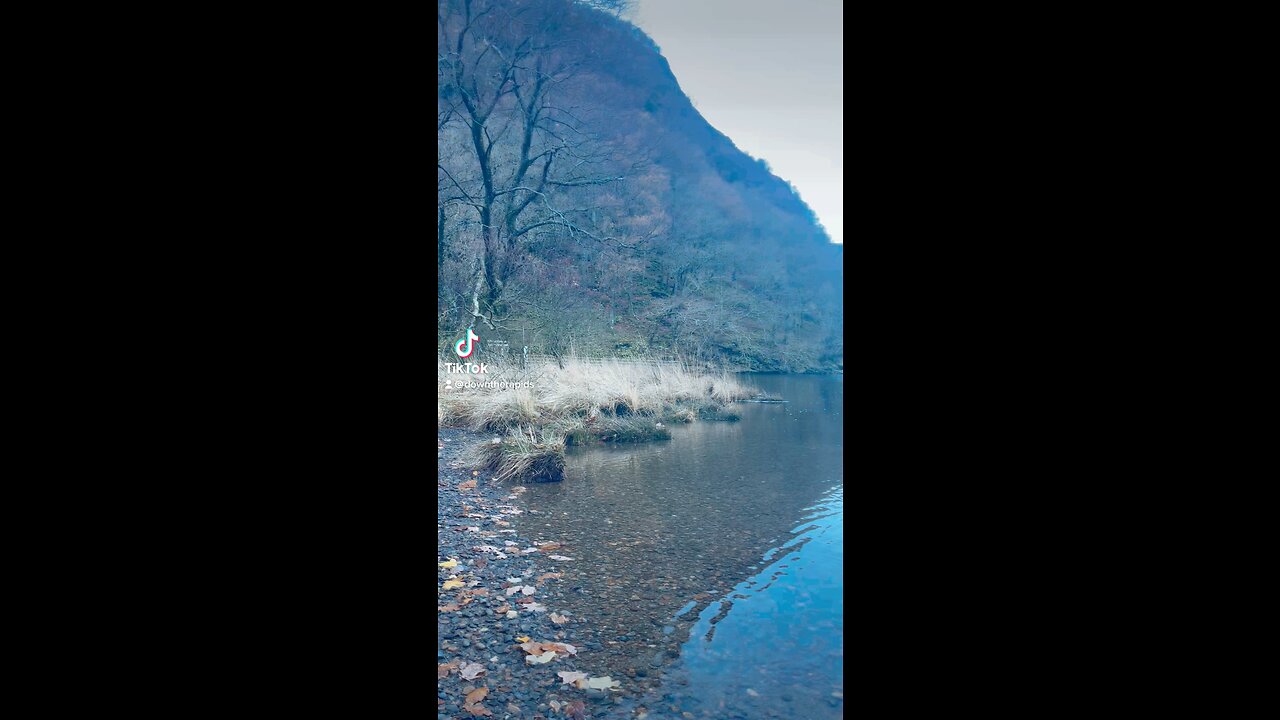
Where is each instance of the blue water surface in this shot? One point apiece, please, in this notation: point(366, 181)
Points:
point(708, 569)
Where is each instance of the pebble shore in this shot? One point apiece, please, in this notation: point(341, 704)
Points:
point(481, 625)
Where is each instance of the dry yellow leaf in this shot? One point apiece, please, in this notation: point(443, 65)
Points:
point(477, 695)
point(522, 638)
point(451, 564)
point(451, 584)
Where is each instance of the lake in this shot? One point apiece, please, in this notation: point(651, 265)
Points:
point(707, 569)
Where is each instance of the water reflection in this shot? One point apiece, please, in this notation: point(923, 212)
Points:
point(775, 646)
point(721, 547)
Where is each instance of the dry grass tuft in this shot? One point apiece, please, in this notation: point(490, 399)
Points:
point(524, 455)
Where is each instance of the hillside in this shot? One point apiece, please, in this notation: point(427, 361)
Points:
point(584, 201)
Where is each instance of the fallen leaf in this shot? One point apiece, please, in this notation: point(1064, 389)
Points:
point(536, 607)
point(528, 590)
point(576, 710)
point(473, 528)
point(468, 485)
point(570, 677)
point(603, 683)
point(541, 647)
point(555, 704)
point(548, 547)
point(528, 551)
point(444, 669)
point(471, 671)
point(559, 619)
point(542, 659)
point(559, 557)
point(549, 576)
point(477, 710)
point(476, 695)
point(451, 564)
point(752, 693)
point(475, 472)
point(523, 638)
point(451, 584)
point(451, 607)
point(512, 614)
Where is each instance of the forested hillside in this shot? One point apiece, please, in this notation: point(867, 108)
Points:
point(584, 201)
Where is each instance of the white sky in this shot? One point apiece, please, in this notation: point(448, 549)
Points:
point(770, 76)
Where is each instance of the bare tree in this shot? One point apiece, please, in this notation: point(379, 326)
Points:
point(501, 74)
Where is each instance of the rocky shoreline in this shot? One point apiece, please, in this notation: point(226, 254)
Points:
point(502, 652)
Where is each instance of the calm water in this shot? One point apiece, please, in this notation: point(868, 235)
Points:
point(708, 568)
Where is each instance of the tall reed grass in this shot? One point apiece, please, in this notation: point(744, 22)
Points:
point(583, 389)
point(544, 403)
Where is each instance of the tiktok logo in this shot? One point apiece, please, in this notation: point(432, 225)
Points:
point(468, 340)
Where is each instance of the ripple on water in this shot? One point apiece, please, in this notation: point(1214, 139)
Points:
point(716, 556)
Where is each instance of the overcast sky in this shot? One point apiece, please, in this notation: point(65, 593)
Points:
point(770, 76)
